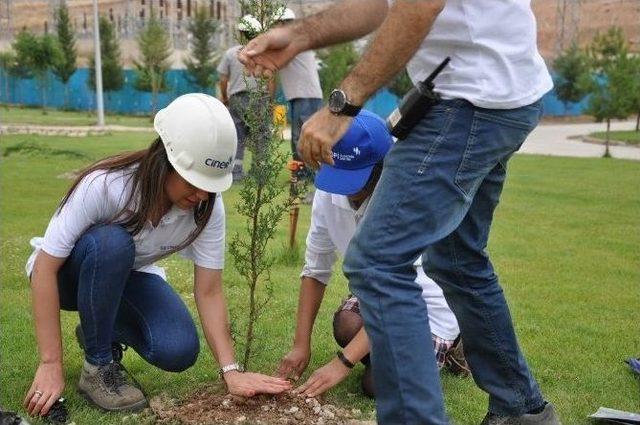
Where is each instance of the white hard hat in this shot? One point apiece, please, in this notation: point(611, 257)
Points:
point(200, 139)
point(286, 14)
point(248, 23)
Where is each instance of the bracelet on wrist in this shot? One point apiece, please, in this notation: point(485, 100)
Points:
point(345, 361)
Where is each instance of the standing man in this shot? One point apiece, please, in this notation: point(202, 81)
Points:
point(301, 87)
point(457, 154)
point(235, 86)
point(340, 202)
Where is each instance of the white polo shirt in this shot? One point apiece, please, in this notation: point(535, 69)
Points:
point(495, 61)
point(333, 224)
point(98, 198)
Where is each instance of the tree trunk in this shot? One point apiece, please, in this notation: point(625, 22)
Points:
point(638, 122)
point(66, 96)
point(607, 153)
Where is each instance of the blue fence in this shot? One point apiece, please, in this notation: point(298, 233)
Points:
point(128, 100)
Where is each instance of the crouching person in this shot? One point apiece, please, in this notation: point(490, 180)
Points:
point(341, 200)
point(120, 216)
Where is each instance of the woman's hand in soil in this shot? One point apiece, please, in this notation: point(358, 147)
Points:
point(323, 379)
point(294, 363)
point(46, 388)
point(248, 384)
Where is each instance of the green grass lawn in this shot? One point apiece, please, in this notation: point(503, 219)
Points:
point(632, 137)
point(27, 115)
point(565, 242)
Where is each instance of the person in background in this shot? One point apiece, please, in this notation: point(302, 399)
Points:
point(235, 86)
point(301, 86)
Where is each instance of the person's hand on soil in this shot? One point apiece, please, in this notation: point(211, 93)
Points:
point(248, 384)
point(323, 379)
point(294, 363)
point(46, 388)
point(319, 134)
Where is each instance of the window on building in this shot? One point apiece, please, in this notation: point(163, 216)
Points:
point(111, 15)
point(84, 21)
point(142, 2)
point(188, 8)
point(218, 4)
point(46, 27)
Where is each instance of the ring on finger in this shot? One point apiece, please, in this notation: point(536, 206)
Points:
point(37, 393)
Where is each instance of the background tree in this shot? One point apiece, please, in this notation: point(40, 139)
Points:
point(612, 80)
point(36, 56)
point(573, 70)
point(336, 62)
point(112, 75)
point(65, 68)
point(201, 65)
point(635, 89)
point(155, 48)
point(8, 64)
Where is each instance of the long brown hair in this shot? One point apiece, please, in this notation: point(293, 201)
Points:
point(147, 196)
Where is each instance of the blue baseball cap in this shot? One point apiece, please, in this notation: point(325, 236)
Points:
point(365, 143)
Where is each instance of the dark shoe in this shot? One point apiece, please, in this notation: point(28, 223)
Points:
point(546, 417)
point(455, 362)
point(108, 388)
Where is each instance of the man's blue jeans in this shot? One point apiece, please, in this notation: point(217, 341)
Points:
point(117, 304)
point(436, 197)
point(301, 110)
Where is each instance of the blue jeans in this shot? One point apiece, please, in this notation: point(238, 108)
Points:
point(301, 110)
point(118, 304)
point(436, 197)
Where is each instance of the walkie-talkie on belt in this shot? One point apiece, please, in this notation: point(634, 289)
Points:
point(414, 105)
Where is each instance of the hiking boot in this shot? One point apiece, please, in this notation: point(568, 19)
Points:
point(455, 362)
point(108, 388)
point(546, 417)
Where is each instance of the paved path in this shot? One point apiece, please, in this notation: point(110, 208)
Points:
point(556, 140)
point(546, 139)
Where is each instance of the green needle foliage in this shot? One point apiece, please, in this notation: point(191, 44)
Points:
point(573, 72)
point(112, 75)
point(36, 56)
point(201, 65)
point(155, 48)
point(614, 79)
point(65, 68)
point(262, 202)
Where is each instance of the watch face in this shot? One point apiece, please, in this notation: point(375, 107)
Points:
point(337, 100)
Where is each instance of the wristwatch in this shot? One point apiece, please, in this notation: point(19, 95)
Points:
point(230, 367)
point(339, 104)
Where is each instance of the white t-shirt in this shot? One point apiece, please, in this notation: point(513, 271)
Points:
point(231, 67)
point(299, 79)
point(333, 224)
point(494, 57)
point(100, 196)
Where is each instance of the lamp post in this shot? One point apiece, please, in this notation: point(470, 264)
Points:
point(98, 61)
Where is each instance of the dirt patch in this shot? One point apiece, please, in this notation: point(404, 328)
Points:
point(208, 406)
